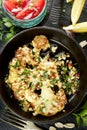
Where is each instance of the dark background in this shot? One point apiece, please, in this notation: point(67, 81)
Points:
point(63, 20)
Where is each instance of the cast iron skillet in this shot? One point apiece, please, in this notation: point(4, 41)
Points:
point(56, 36)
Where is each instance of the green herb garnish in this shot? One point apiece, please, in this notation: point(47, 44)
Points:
point(81, 115)
point(7, 29)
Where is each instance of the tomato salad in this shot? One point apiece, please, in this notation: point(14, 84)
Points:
point(24, 9)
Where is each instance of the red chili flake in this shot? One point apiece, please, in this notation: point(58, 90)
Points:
point(53, 75)
point(70, 65)
point(28, 77)
point(77, 75)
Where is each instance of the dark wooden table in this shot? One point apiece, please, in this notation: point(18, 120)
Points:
point(63, 20)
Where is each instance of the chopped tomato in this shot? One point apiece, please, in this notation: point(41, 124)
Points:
point(22, 3)
point(10, 4)
point(23, 13)
point(14, 4)
point(39, 4)
point(24, 9)
point(32, 10)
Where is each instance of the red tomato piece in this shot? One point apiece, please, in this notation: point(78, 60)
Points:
point(26, 11)
point(10, 4)
point(14, 4)
point(33, 8)
point(31, 15)
point(39, 4)
point(22, 3)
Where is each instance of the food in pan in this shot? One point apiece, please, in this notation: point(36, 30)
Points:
point(41, 77)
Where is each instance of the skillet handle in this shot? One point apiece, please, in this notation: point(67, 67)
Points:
point(54, 14)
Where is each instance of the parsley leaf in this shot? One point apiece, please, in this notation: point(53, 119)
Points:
point(7, 29)
point(81, 115)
